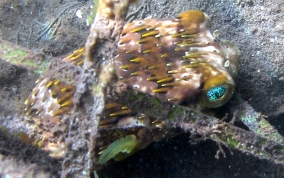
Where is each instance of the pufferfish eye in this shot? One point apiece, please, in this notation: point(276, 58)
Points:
point(216, 93)
point(216, 96)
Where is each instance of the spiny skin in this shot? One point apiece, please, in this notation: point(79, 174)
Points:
point(50, 98)
point(177, 59)
point(77, 57)
point(45, 106)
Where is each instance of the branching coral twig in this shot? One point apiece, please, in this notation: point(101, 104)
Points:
point(197, 123)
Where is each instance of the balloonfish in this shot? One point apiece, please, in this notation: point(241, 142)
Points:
point(177, 59)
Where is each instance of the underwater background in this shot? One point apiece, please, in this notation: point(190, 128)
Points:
point(255, 27)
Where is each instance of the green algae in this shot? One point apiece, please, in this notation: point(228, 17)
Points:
point(9, 53)
point(23, 58)
point(119, 149)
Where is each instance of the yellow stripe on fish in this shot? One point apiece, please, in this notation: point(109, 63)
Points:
point(178, 59)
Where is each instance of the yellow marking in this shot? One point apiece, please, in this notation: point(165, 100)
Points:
point(57, 82)
point(191, 17)
point(173, 71)
point(193, 65)
point(35, 91)
point(142, 117)
point(39, 110)
point(156, 121)
point(101, 152)
point(185, 44)
point(124, 80)
point(123, 41)
point(160, 125)
point(29, 112)
point(135, 73)
point(140, 28)
point(38, 80)
point(60, 111)
point(167, 79)
point(76, 54)
point(147, 51)
point(170, 64)
point(80, 63)
point(170, 84)
point(127, 66)
point(189, 36)
point(82, 49)
point(49, 84)
point(64, 98)
point(172, 99)
point(53, 93)
point(164, 55)
point(153, 67)
point(188, 41)
point(152, 33)
point(144, 40)
point(67, 103)
point(142, 121)
point(186, 34)
point(161, 90)
point(152, 78)
point(73, 58)
point(179, 49)
point(137, 59)
point(128, 52)
point(124, 107)
point(186, 60)
point(193, 55)
point(102, 148)
point(68, 88)
point(27, 102)
point(123, 112)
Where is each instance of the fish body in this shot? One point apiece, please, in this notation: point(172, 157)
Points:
point(177, 59)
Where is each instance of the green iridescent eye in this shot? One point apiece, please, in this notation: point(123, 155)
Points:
point(216, 96)
point(216, 93)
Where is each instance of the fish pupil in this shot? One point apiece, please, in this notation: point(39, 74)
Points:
point(216, 93)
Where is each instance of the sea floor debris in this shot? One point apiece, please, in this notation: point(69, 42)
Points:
point(261, 145)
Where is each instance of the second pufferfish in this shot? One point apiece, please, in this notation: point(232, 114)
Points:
point(178, 59)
